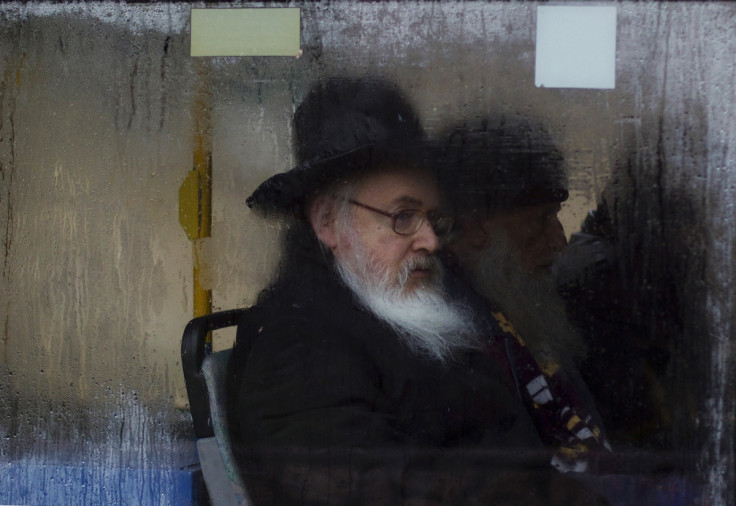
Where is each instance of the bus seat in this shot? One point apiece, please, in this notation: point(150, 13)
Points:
point(204, 375)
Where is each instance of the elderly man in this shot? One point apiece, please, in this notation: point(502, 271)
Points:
point(506, 185)
point(356, 379)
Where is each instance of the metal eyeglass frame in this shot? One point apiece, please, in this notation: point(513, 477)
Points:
point(441, 224)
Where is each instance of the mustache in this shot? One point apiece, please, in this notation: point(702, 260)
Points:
point(424, 262)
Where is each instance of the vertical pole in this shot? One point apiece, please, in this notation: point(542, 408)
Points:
point(195, 193)
point(203, 168)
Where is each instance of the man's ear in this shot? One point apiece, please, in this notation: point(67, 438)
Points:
point(322, 217)
point(478, 233)
point(486, 230)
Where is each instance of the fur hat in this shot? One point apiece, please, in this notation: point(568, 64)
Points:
point(500, 168)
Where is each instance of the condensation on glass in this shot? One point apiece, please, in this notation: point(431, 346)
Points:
point(99, 112)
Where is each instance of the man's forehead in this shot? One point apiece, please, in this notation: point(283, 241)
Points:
point(407, 200)
point(547, 207)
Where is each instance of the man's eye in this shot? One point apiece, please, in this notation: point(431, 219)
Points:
point(405, 216)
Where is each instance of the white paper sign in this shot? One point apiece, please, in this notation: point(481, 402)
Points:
point(576, 47)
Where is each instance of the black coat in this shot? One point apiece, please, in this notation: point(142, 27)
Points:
point(328, 406)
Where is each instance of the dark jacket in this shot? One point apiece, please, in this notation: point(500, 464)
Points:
point(328, 406)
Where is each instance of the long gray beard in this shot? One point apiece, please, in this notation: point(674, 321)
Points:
point(427, 322)
point(530, 302)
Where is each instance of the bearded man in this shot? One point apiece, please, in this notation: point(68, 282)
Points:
point(506, 185)
point(357, 379)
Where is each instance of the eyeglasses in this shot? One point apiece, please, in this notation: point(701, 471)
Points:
point(408, 221)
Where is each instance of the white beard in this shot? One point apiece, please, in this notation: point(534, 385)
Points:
point(530, 302)
point(427, 322)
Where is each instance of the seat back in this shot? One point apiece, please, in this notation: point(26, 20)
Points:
point(220, 471)
point(194, 348)
point(205, 376)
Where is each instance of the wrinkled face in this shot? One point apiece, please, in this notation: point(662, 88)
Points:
point(533, 232)
point(368, 236)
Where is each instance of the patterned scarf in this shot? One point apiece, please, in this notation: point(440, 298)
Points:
point(557, 410)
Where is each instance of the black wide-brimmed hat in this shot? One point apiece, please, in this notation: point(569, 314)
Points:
point(343, 128)
point(501, 167)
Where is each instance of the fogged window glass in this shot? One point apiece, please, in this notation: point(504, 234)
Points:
point(593, 225)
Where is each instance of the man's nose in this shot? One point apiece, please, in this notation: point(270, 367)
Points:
point(425, 238)
point(556, 235)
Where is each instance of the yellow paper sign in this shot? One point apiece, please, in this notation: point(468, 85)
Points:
point(246, 32)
